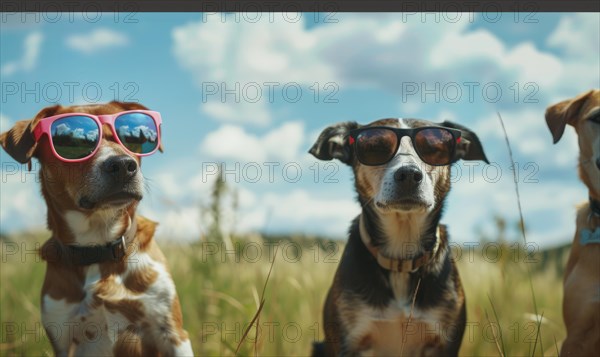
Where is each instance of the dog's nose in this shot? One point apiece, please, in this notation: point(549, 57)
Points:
point(122, 167)
point(408, 177)
point(598, 163)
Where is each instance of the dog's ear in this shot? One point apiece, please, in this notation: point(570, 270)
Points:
point(134, 106)
point(563, 113)
point(470, 147)
point(331, 143)
point(19, 142)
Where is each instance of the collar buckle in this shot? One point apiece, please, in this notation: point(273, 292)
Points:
point(119, 249)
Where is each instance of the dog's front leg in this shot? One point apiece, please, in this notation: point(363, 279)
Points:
point(57, 321)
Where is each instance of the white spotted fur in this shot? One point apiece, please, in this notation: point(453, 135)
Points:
point(156, 300)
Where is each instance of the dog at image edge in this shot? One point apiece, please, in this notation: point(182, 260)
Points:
point(581, 302)
point(107, 290)
point(396, 246)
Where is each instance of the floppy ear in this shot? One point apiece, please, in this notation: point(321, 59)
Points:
point(331, 144)
point(19, 142)
point(134, 106)
point(563, 113)
point(470, 147)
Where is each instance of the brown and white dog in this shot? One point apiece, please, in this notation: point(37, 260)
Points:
point(581, 303)
point(121, 307)
point(397, 254)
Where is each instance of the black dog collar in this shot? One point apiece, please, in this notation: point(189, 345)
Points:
point(94, 254)
point(595, 207)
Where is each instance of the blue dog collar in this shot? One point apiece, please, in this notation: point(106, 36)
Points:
point(587, 237)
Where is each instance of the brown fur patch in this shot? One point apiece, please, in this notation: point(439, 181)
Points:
point(131, 309)
point(364, 178)
point(139, 281)
point(129, 343)
point(145, 232)
point(62, 282)
point(113, 297)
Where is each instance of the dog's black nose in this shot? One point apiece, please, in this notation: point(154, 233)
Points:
point(598, 163)
point(408, 177)
point(122, 167)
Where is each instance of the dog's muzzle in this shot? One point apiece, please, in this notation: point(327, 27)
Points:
point(408, 178)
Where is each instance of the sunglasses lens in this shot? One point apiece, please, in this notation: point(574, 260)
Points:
point(138, 132)
point(74, 137)
point(376, 146)
point(435, 146)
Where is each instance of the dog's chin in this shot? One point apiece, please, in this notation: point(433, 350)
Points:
point(406, 205)
point(117, 200)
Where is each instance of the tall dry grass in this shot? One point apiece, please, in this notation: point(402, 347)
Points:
point(220, 294)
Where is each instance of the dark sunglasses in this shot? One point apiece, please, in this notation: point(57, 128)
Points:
point(378, 145)
point(76, 137)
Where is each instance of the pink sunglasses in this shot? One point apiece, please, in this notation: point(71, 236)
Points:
point(76, 137)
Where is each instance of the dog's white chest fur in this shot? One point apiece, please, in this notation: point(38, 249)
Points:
point(93, 325)
point(386, 332)
point(137, 301)
point(397, 327)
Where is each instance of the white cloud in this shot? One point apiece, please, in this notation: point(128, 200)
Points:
point(241, 112)
point(146, 131)
point(269, 212)
point(124, 130)
point(5, 123)
point(480, 50)
point(529, 136)
point(381, 51)
point(31, 53)
point(303, 211)
point(577, 35)
point(474, 203)
point(78, 133)
point(62, 129)
point(181, 223)
point(231, 142)
point(265, 51)
point(275, 52)
point(21, 204)
point(92, 135)
point(96, 41)
point(378, 52)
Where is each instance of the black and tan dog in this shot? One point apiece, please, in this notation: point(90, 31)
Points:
point(581, 303)
point(396, 290)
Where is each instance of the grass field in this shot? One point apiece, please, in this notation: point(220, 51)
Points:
point(220, 293)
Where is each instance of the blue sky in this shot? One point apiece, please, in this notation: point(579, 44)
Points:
point(321, 70)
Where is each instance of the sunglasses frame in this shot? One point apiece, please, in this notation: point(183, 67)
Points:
point(44, 127)
point(400, 133)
